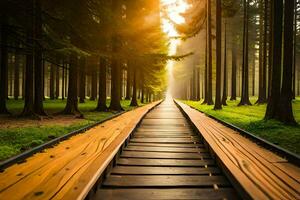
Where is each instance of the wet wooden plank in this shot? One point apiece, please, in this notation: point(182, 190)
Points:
point(166, 194)
point(164, 181)
point(165, 170)
point(164, 162)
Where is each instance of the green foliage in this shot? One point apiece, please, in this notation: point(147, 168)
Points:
point(250, 118)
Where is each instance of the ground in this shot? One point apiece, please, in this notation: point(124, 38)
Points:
point(250, 118)
point(19, 134)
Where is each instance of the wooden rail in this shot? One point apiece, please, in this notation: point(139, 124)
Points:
point(70, 169)
point(257, 172)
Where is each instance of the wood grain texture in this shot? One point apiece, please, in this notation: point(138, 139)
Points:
point(165, 159)
point(263, 174)
point(70, 169)
point(166, 194)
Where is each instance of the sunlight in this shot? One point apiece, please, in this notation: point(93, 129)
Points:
point(170, 14)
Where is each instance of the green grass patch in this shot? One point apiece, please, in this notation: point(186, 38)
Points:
point(250, 118)
point(14, 141)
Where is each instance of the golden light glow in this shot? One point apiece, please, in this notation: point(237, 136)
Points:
point(170, 14)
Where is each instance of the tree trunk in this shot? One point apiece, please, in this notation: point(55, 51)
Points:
point(198, 96)
point(52, 77)
point(17, 77)
point(115, 79)
point(28, 109)
point(262, 93)
point(142, 88)
point(272, 107)
point(253, 73)
point(57, 82)
point(128, 82)
point(285, 104)
point(101, 106)
point(245, 71)
point(209, 61)
point(72, 100)
point(205, 77)
point(295, 49)
point(38, 63)
point(94, 86)
point(134, 99)
point(224, 97)
point(142, 94)
point(82, 81)
point(4, 68)
point(218, 100)
point(63, 81)
point(233, 73)
point(271, 48)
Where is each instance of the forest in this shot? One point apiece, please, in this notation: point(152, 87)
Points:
point(75, 58)
point(88, 59)
point(245, 68)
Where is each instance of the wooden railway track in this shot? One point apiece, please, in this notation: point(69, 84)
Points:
point(165, 159)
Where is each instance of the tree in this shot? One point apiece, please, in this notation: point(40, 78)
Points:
point(224, 97)
point(218, 100)
point(72, 101)
point(128, 82)
point(82, 80)
point(245, 68)
point(134, 91)
point(4, 66)
point(101, 106)
point(286, 96)
point(276, 34)
point(17, 76)
point(234, 69)
point(38, 60)
point(52, 77)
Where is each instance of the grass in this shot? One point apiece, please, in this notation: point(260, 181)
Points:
point(250, 118)
point(16, 140)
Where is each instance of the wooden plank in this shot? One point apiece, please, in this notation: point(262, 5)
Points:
point(166, 140)
point(164, 162)
point(166, 194)
point(255, 168)
point(164, 170)
point(165, 121)
point(164, 181)
point(292, 170)
point(135, 154)
point(163, 129)
point(188, 133)
point(161, 116)
point(163, 136)
point(165, 149)
point(166, 145)
point(74, 163)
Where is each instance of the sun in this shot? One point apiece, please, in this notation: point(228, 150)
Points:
point(171, 13)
